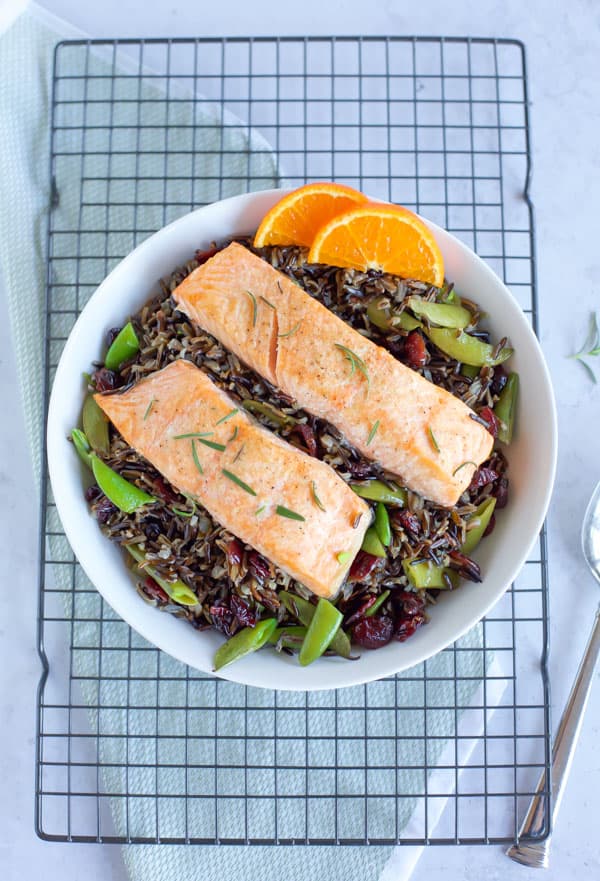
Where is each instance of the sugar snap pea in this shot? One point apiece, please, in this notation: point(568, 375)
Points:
point(469, 370)
point(82, 445)
point(95, 425)
point(288, 637)
point(382, 525)
point(304, 611)
point(479, 519)
point(506, 408)
point(442, 314)
point(381, 314)
point(123, 347)
point(465, 348)
point(372, 543)
point(427, 575)
point(176, 590)
point(125, 495)
point(274, 415)
point(321, 631)
point(377, 491)
point(250, 639)
point(377, 604)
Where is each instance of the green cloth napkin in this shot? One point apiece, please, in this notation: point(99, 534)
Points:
point(25, 197)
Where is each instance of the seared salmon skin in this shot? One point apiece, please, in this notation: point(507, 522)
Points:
point(252, 482)
point(393, 415)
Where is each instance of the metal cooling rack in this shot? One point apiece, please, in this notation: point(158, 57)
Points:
point(124, 731)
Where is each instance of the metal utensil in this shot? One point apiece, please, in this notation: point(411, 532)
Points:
point(535, 854)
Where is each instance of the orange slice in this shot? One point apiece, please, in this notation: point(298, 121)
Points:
point(385, 237)
point(295, 219)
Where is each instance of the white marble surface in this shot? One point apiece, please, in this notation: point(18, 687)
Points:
point(562, 42)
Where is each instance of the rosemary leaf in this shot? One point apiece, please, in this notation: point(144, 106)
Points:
point(462, 465)
point(235, 479)
point(254, 306)
point(355, 361)
point(149, 408)
point(227, 416)
point(212, 444)
point(195, 457)
point(285, 512)
point(291, 332)
point(193, 434)
point(234, 435)
point(373, 432)
point(434, 442)
point(316, 499)
point(259, 510)
point(267, 302)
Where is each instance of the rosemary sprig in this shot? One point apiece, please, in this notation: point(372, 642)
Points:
point(291, 332)
point(291, 515)
point(193, 434)
point(254, 306)
point(373, 432)
point(315, 497)
point(227, 416)
point(212, 444)
point(356, 362)
point(238, 480)
point(195, 457)
point(433, 439)
point(148, 409)
point(462, 465)
point(591, 347)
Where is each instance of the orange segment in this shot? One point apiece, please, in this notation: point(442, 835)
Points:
point(295, 219)
point(385, 237)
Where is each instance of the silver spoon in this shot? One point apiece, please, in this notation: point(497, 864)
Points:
point(535, 854)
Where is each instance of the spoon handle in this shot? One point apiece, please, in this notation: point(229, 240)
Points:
point(535, 854)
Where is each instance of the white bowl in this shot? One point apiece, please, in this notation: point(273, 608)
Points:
point(532, 459)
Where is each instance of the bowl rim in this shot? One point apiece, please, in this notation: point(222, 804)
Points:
point(390, 664)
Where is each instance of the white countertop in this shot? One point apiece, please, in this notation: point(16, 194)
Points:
point(564, 78)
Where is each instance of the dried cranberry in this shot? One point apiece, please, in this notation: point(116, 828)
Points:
point(482, 477)
point(203, 256)
point(308, 438)
point(372, 633)
point(405, 627)
point(222, 617)
point(465, 566)
point(154, 590)
point(409, 522)
point(415, 350)
point(105, 510)
point(501, 493)
point(152, 529)
point(490, 527)
point(362, 566)
point(242, 610)
point(111, 336)
point(411, 603)
point(499, 380)
point(164, 490)
point(490, 419)
point(92, 493)
point(235, 552)
point(106, 380)
point(258, 566)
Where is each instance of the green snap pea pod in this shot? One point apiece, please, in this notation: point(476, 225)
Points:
point(480, 518)
point(380, 313)
point(465, 348)
point(427, 575)
point(123, 347)
point(82, 445)
point(382, 525)
point(321, 631)
point(377, 491)
point(121, 492)
point(443, 314)
point(506, 408)
point(250, 639)
point(451, 297)
point(95, 425)
point(274, 415)
point(289, 637)
point(176, 590)
point(469, 370)
point(372, 543)
point(304, 611)
point(377, 604)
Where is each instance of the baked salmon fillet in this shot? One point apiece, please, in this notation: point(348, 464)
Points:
point(394, 416)
point(252, 482)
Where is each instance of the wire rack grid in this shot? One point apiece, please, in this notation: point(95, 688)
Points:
point(131, 745)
